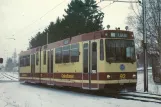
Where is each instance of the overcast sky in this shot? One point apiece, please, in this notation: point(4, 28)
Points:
point(17, 17)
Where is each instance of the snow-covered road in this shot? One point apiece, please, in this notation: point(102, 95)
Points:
point(14, 94)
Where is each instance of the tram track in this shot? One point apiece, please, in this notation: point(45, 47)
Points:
point(6, 76)
point(141, 97)
point(10, 75)
point(135, 96)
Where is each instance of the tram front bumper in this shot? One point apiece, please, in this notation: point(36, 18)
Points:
point(119, 85)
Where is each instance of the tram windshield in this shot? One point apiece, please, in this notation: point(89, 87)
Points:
point(120, 50)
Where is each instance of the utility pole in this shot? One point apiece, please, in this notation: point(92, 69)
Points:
point(145, 46)
point(159, 28)
point(47, 38)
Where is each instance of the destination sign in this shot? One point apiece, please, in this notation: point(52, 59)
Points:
point(117, 35)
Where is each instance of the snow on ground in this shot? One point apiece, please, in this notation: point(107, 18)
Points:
point(142, 68)
point(152, 87)
point(14, 94)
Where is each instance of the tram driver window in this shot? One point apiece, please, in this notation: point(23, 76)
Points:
point(27, 60)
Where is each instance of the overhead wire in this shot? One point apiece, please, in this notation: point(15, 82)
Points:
point(49, 12)
point(64, 0)
point(108, 5)
point(40, 17)
point(113, 1)
point(52, 10)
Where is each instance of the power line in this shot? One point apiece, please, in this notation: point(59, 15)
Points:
point(57, 6)
point(52, 9)
point(123, 1)
point(107, 6)
point(40, 17)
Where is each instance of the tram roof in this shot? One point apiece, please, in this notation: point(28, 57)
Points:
point(72, 40)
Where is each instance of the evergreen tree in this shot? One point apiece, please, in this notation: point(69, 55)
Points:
point(81, 17)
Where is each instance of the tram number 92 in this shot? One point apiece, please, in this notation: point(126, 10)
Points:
point(122, 76)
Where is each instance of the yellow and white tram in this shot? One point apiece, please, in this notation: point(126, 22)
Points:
point(94, 61)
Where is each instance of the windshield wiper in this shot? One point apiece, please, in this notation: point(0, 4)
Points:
point(111, 59)
point(130, 60)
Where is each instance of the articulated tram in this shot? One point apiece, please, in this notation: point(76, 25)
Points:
point(94, 61)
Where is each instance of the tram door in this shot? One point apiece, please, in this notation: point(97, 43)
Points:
point(51, 70)
point(90, 74)
point(32, 65)
point(50, 66)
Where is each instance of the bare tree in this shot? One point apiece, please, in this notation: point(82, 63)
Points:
point(153, 27)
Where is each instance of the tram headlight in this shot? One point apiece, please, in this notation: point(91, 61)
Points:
point(134, 75)
point(108, 76)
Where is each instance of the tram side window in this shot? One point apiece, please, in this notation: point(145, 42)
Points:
point(66, 54)
point(37, 58)
point(75, 53)
point(21, 62)
point(101, 50)
point(44, 57)
point(26, 60)
point(58, 55)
